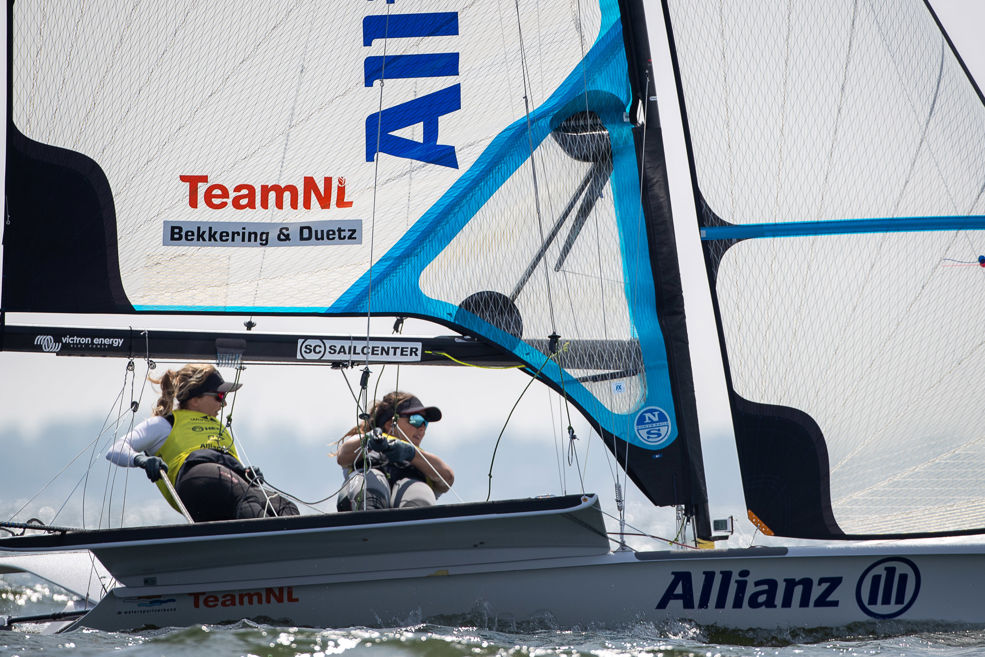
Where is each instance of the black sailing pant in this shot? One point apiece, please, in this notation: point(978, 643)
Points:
point(211, 490)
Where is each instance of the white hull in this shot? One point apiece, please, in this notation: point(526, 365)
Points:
point(542, 561)
point(751, 588)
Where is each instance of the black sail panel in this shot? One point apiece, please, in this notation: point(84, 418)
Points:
point(60, 233)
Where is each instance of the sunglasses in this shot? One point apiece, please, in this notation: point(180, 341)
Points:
point(221, 396)
point(416, 420)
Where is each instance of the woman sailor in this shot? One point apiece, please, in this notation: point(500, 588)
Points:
point(191, 446)
point(383, 461)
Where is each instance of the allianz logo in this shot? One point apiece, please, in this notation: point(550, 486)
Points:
point(886, 589)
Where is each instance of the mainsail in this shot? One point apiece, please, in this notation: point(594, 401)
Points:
point(839, 172)
point(475, 164)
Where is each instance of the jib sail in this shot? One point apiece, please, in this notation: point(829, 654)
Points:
point(839, 160)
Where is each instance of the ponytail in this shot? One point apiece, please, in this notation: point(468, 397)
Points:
point(165, 403)
point(173, 384)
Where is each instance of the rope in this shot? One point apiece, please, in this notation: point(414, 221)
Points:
point(118, 402)
point(499, 438)
point(241, 449)
point(572, 437)
point(306, 503)
point(363, 438)
point(555, 434)
point(376, 178)
point(134, 406)
point(425, 459)
point(34, 523)
point(533, 162)
point(640, 532)
point(57, 475)
point(481, 367)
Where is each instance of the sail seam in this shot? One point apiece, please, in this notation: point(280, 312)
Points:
point(838, 112)
point(287, 143)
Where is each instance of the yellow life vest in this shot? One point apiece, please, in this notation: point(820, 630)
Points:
point(191, 431)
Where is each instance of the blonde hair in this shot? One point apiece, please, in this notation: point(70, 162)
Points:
point(175, 383)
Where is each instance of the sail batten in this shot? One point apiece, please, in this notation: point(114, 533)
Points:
point(844, 226)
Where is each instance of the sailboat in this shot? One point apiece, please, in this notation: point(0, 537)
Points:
point(510, 172)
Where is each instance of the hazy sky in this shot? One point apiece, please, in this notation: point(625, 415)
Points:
point(51, 409)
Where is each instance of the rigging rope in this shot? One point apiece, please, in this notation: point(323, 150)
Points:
point(499, 438)
point(134, 406)
point(92, 448)
point(58, 474)
point(35, 524)
point(558, 449)
point(420, 452)
point(481, 367)
point(533, 163)
point(311, 505)
point(241, 447)
point(376, 179)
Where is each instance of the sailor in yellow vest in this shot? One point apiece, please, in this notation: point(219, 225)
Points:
point(196, 452)
point(383, 462)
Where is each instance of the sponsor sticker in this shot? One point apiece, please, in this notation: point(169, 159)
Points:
point(77, 343)
point(346, 350)
point(730, 589)
point(653, 427)
point(270, 596)
point(47, 343)
point(887, 588)
point(263, 234)
point(146, 605)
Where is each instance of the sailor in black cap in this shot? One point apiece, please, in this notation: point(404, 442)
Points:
point(383, 461)
point(188, 445)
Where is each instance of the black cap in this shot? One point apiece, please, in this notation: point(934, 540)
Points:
point(413, 406)
point(384, 411)
point(213, 383)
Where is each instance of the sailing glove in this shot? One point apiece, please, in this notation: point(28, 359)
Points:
point(398, 451)
point(152, 465)
point(253, 475)
point(376, 442)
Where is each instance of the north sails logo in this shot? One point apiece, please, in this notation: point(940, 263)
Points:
point(653, 427)
point(47, 343)
point(888, 587)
